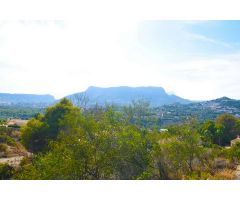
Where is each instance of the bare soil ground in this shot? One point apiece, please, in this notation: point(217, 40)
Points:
point(12, 161)
point(237, 174)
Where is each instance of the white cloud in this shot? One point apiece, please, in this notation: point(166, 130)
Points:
point(60, 58)
point(194, 36)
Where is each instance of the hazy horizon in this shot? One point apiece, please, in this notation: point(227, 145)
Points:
point(196, 60)
point(168, 92)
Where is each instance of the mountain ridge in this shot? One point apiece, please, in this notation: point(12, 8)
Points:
point(13, 99)
point(124, 95)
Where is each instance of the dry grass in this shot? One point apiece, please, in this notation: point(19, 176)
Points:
point(225, 174)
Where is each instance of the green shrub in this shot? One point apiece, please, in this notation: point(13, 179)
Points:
point(4, 138)
point(6, 172)
point(3, 148)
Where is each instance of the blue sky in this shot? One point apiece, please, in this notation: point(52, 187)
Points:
point(193, 59)
point(179, 39)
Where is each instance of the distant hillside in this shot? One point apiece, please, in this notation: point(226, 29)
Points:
point(225, 101)
point(14, 99)
point(124, 95)
point(205, 110)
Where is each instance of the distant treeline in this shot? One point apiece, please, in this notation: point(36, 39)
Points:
point(19, 112)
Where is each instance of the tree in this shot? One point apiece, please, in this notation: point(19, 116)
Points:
point(81, 100)
point(132, 154)
point(209, 132)
point(34, 135)
point(176, 155)
point(89, 148)
point(228, 128)
point(138, 112)
point(83, 153)
point(44, 128)
point(69, 158)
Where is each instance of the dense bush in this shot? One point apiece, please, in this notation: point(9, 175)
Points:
point(221, 132)
point(44, 128)
point(6, 172)
point(107, 144)
point(234, 153)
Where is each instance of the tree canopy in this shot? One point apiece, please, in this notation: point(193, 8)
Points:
point(105, 143)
